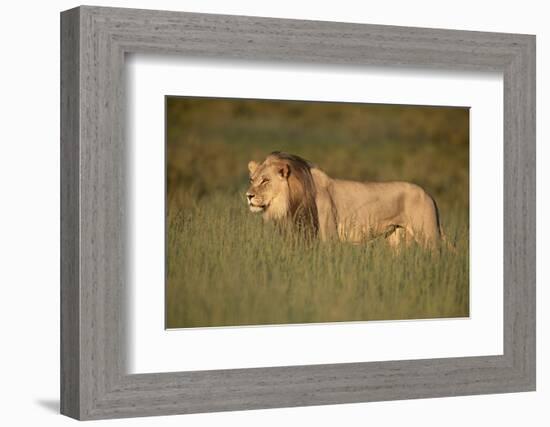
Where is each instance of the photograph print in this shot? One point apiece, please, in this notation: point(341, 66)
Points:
point(296, 212)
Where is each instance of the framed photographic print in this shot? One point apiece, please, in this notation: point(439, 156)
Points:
point(262, 213)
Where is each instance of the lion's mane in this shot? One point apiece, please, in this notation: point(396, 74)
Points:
point(302, 209)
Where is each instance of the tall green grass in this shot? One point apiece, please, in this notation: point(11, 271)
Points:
point(226, 267)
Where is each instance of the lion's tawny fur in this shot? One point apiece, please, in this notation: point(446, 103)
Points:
point(292, 191)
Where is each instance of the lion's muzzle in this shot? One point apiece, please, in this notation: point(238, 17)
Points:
point(254, 203)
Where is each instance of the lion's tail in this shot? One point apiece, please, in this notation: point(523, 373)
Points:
point(450, 245)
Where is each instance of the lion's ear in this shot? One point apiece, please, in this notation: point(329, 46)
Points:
point(284, 170)
point(252, 166)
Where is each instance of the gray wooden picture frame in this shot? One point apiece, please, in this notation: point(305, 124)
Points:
point(94, 381)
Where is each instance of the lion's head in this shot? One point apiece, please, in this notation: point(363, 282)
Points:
point(283, 189)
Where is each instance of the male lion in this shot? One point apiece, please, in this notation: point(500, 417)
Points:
point(292, 191)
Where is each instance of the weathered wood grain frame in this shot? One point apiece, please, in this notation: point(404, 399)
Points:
point(94, 381)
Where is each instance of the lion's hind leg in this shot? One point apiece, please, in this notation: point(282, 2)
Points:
point(427, 236)
point(396, 237)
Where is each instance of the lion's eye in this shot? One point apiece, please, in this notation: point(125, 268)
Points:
point(264, 181)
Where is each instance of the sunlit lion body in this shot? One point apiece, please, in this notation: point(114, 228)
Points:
point(291, 191)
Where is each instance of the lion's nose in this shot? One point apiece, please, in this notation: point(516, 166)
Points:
point(249, 196)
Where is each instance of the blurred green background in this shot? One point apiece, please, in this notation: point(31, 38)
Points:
point(209, 143)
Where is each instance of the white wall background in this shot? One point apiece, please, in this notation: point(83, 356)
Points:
point(29, 212)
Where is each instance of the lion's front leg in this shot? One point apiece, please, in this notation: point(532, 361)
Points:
point(327, 218)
